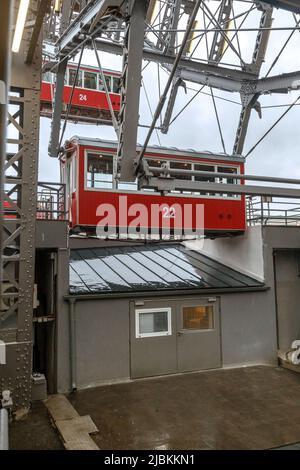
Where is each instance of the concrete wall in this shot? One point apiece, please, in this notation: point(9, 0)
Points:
point(248, 320)
point(102, 332)
point(248, 325)
point(248, 336)
point(288, 297)
point(244, 252)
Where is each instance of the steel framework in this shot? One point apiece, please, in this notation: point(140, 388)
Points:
point(20, 182)
point(153, 31)
point(189, 40)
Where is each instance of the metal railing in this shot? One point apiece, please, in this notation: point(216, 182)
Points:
point(273, 211)
point(51, 201)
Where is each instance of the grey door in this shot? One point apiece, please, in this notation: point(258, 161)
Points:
point(153, 338)
point(169, 336)
point(287, 296)
point(198, 335)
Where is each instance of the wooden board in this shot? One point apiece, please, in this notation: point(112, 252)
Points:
point(60, 408)
point(82, 443)
point(70, 429)
point(74, 429)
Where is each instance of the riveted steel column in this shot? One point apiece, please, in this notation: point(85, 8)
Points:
point(59, 88)
point(5, 54)
point(20, 231)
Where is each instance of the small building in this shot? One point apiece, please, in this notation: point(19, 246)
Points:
point(121, 311)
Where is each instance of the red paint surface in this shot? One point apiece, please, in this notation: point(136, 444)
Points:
point(82, 97)
point(220, 214)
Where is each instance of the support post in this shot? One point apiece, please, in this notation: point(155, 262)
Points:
point(130, 90)
point(5, 58)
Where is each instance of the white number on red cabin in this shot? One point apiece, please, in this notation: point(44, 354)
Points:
point(169, 213)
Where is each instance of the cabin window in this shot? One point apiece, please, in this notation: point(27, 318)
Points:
point(99, 171)
point(90, 80)
point(156, 163)
point(100, 83)
point(116, 84)
point(203, 168)
point(108, 82)
point(230, 171)
point(207, 179)
point(72, 75)
point(130, 186)
point(181, 166)
point(101, 86)
point(230, 180)
point(47, 77)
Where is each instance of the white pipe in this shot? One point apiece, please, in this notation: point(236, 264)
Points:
point(3, 429)
point(20, 25)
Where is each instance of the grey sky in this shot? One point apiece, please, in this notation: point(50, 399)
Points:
point(196, 127)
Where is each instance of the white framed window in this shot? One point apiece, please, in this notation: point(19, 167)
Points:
point(99, 172)
point(151, 322)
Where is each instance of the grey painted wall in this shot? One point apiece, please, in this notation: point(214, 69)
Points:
point(102, 331)
point(248, 324)
point(243, 253)
point(288, 297)
point(248, 335)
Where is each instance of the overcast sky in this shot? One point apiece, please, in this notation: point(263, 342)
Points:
point(196, 127)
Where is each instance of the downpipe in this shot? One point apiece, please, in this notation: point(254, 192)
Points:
point(72, 344)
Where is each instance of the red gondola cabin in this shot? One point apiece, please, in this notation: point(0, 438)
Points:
point(87, 169)
point(89, 102)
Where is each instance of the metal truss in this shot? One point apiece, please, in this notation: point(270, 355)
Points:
point(130, 83)
point(249, 92)
point(166, 32)
point(159, 30)
point(168, 25)
point(18, 231)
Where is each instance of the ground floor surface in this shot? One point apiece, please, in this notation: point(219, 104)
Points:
point(244, 408)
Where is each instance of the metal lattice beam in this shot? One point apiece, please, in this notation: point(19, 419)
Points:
point(18, 258)
point(248, 92)
point(130, 90)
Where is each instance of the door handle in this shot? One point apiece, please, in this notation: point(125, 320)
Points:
point(179, 333)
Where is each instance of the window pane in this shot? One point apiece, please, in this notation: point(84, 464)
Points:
point(100, 83)
point(204, 168)
point(128, 186)
point(227, 169)
point(90, 80)
point(181, 166)
point(156, 163)
point(116, 84)
point(198, 318)
point(153, 322)
point(72, 74)
point(99, 171)
point(47, 77)
point(207, 179)
point(108, 82)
